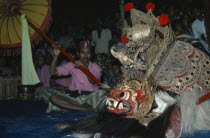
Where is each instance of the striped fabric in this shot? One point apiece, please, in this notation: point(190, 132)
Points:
point(92, 99)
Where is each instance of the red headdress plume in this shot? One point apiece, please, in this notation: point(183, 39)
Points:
point(124, 39)
point(129, 6)
point(149, 6)
point(163, 19)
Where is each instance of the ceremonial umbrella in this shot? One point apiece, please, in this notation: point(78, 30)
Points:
point(38, 16)
point(38, 12)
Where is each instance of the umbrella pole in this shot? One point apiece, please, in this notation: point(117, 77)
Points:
point(88, 73)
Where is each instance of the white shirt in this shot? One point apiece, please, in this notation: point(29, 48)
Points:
point(198, 28)
point(102, 42)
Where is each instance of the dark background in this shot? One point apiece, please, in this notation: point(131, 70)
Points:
point(74, 11)
point(81, 11)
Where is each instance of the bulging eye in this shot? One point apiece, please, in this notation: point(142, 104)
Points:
point(146, 33)
point(137, 35)
point(125, 95)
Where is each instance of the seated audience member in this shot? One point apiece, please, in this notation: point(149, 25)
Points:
point(101, 36)
point(48, 58)
point(103, 61)
point(115, 73)
point(80, 83)
point(43, 71)
point(199, 28)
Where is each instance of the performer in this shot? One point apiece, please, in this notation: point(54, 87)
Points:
point(84, 93)
point(80, 82)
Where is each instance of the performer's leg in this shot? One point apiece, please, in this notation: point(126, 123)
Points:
point(66, 103)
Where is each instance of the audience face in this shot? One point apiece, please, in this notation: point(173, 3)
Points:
point(99, 24)
point(40, 61)
point(199, 14)
point(116, 69)
point(48, 59)
point(85, 54)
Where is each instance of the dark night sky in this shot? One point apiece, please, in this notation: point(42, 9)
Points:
point(80, 10)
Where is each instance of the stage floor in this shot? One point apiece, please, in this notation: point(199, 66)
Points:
point(28, 119)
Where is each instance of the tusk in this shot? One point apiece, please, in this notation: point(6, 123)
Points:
point(107, 101)
point(121, 106)
point(115, 103)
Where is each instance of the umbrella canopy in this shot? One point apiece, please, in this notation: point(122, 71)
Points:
point(38, 12)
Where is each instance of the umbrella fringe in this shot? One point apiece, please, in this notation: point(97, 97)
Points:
point(10, 52)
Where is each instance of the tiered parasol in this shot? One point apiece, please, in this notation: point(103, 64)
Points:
point(38, 12)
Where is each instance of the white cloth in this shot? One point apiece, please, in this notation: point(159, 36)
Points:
point(198, 28)
point(102, 42)
point(29, 76)
point(161, 105)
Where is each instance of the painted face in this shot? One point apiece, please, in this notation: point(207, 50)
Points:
point(122, 101)
point(131, 97)
point(85, 54)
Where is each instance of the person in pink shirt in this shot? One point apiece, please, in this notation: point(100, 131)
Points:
point(43, 71)
point(80, 82)
point(63, 81)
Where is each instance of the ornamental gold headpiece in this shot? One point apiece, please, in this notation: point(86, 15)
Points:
point(146, 37)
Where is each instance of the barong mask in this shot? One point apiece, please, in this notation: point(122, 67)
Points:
point(132, 97)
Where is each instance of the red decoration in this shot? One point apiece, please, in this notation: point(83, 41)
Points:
point(163, 19)
point(203, 98)
point(129, 6)
point(139, 94)
point(124, 39)
point(150, 5)
point(142, 22)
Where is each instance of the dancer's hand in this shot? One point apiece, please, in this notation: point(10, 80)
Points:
point(56, 51)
